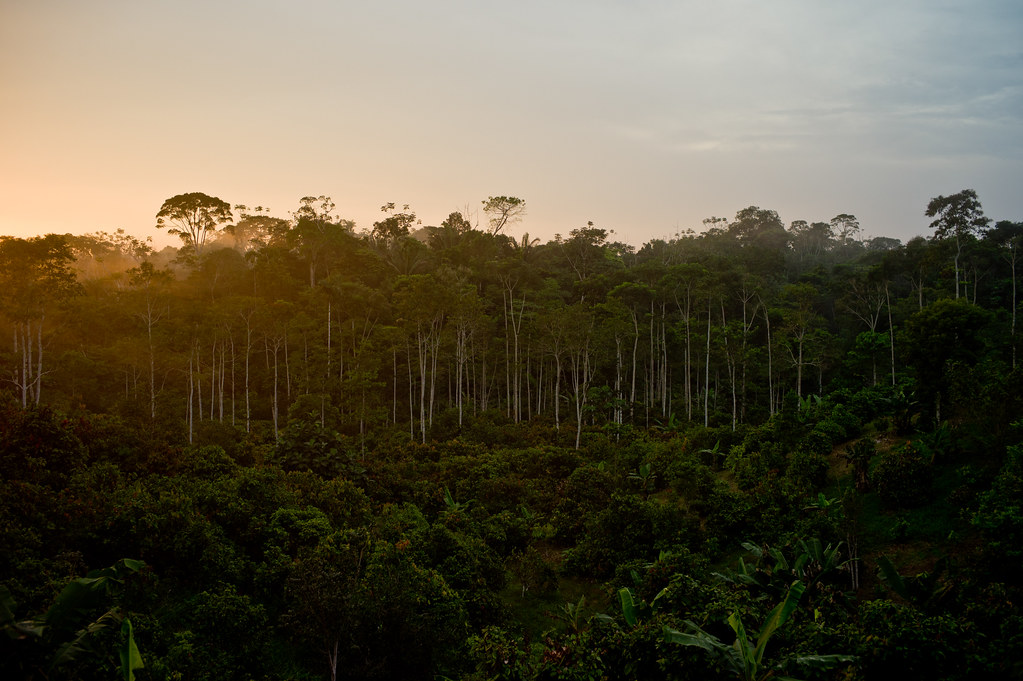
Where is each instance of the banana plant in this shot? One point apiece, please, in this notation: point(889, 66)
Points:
point(646, 478)
point(772, 571)
point(76, 601)
point(745, 657)
point(452, 505)
point(923, 591)
point(714, 454)
point(633, 610)
point(572, 614)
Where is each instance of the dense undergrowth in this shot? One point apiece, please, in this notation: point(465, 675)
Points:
point(505, 553)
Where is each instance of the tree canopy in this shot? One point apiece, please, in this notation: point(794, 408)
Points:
point(309, 450)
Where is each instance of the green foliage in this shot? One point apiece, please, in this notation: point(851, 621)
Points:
point(807, 471)
point(305, 445)
point(999, 517)
point(628, 529)
point(940, 337)
point(387, 525)
point(894, 636)
point(38, 446)
point(535, 574)
point(902, 476)
point(859, 456)
point(220, 634)
point(745, 657)
point(587, 491)
point(60, 629)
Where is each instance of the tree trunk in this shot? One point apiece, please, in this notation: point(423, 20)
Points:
point(706, 379)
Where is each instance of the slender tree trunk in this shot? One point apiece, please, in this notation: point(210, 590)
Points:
point(411, 402)
point(197, 348)
point(287, 368)
point(213, 379)
point(730, 366)
point(39, 362)
point(248, 354)
point(223, 366)
point(190, 391)
point(651, 376)
point(635, 354)
point(557, 392)
point(799, 369)
point(231, 337)
point(706, 379)
point(665, 390)
point(891, 330)
point(770, 371)
point(958, 251)
point(616, 410)
point(152, 362)
point(276, 382)
point(1012, 332)
point(23, 378)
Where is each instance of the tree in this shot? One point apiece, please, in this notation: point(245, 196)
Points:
point(586, 252)
point(35, 276)
point(845, 227)
point(503, 210)
point(102, 253)
point(761, 235)
point(317, 233)
point(256, 229)
point(759, 227)
point(422, 302)
point(148, 284)
point(811, 240)
point(944, 334)
point(1008, 236)
point(801, 323)
point(322, 599)
point(958, 217)
point(580, 355)
point(395, 225)
point(193, 217)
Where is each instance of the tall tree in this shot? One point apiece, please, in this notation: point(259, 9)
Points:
point(958, 217)
point(193, 217)
point(317, 232)
point(586, 252)
point(503, 210)
point(148, 286)
point(845, 227)
point(801, 321)
point(422, 302)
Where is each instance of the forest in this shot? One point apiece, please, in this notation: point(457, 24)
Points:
point(297, 449)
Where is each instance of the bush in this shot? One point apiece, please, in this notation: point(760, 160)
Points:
point(223, 636)
point(902, 477)
point(817, 442)
point(807, 471)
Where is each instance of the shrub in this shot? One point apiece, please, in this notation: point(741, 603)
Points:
point(902, 477)
point(817, 442)
point(808, 471)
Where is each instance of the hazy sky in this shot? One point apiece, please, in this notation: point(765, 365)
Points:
point(644, 117)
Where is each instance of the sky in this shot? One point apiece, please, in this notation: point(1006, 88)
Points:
point(643, 117)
